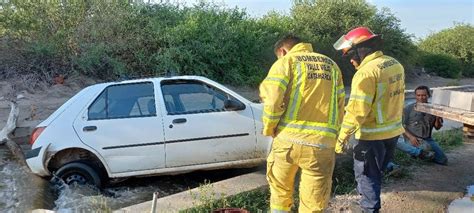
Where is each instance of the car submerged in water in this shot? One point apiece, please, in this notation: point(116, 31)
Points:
point(148, 127)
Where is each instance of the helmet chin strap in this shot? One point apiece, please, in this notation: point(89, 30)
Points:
point(356, 56)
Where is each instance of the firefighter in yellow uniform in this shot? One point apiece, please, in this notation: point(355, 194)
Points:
point(303, 99)
point(374, 111)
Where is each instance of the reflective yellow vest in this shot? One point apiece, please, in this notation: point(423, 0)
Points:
point(375, 107)
point(303, 98)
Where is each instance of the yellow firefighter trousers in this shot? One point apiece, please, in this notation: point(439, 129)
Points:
point(317, 166)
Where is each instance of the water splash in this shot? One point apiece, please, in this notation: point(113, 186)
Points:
point(80, 198)
point(22, 191)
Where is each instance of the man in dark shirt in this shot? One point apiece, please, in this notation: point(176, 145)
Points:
point(418, 128)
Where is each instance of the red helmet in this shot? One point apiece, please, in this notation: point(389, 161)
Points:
point(352, 38)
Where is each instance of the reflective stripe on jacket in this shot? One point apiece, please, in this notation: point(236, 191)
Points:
point(303, 97)
point(375, 107)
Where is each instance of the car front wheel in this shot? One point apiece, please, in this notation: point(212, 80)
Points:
point(79, 173)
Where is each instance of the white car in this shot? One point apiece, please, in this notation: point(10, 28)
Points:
point(148, 127)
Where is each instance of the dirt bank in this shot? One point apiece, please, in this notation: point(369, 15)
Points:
point(39, 103)
point(415, 79)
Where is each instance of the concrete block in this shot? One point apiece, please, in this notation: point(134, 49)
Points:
point(31, 124)
point(441, 97)
point(187, 199)
point(22, 132)
point(462, 100)
point(22, 141)
point(24, 128)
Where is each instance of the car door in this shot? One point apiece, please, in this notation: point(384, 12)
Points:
point(123, 125)
point(198, 130)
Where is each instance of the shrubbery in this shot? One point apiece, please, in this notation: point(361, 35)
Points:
point(323, 21)
point(121, 40)
point(442, 64)
point(457, 43)
point(110, 40)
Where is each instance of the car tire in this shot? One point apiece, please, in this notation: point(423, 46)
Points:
point(80, 173)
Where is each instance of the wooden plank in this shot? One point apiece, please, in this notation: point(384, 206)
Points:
point(459, 115)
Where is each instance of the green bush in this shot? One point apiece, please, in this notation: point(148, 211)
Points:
point(468, 69)
point(109, 40)
point(456, 42)
point(322, 22)
point(443, 65)
point(96, 61)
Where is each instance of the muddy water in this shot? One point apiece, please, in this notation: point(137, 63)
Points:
point(136, 190)
point(21, 191)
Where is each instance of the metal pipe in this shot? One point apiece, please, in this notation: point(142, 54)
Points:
point(153, 204)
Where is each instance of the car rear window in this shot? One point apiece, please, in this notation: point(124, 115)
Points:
point(124, 101)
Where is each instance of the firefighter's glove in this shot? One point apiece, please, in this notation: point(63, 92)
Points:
point(341, 146)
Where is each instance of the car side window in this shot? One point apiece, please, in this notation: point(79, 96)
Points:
point(186, 97)
point(124, 101)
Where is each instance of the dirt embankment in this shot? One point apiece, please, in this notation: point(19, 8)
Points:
point(414, 79)
point(37, 103)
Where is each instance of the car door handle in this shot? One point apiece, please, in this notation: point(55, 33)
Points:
point(89, 128)
point(179, 121)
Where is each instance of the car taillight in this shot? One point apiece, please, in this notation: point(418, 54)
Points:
point(36, 133)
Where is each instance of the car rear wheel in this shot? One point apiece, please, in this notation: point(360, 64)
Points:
point(79, 173)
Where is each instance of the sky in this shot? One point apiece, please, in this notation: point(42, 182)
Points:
point(418, 17)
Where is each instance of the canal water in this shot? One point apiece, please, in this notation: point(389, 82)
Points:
point(21, 191)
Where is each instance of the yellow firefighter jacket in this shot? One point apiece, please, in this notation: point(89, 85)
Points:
point(375, 107)
point(303, 98)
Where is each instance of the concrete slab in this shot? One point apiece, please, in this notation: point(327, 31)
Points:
point(22, 132)
point(462, 100)
point(194, 197)
point(441, 97)
point(24, 128)
point(455, 97)
point(30, 124)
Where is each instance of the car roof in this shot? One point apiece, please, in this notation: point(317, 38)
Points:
point(155, 79)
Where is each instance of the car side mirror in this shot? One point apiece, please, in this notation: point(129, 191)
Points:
point(233, 105)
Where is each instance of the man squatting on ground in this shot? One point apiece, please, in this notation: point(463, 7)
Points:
point(417, 140)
